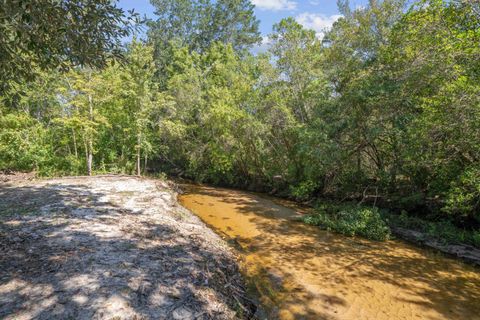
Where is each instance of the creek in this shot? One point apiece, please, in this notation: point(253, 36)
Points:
point(302, 272)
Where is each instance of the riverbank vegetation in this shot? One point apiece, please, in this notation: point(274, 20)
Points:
point(382, 110)
point(351, 220)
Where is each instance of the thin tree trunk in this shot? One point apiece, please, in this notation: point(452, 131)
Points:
point(145, 163)
point(90, 143)
point(90, 158)
point(86, 151)
point(139, 141)
point(75, 144)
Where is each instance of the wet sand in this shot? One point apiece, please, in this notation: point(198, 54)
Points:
point(302, 272)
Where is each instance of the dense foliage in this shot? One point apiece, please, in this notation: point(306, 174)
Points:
point(197, 25)
point(384, 110)
point(51, 33)
point(351, 220)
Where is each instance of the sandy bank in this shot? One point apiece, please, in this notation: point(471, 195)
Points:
point(111, 247)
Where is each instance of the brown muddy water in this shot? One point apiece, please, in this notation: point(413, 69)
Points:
point(301, 272)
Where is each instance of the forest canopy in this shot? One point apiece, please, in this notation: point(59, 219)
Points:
point(385, 109)
point(46, 34)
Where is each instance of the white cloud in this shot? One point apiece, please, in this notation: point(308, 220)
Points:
point(275, 5)
point(317, 22)
point(263, 46)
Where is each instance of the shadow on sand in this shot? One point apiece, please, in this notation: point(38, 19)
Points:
point(394, 274)
point(66, 253)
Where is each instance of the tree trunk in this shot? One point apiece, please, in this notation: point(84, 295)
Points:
point(139, 173)
point(75, 144)
point(145, 163)
point(90, 143)
point(139, 159)
point(89, 158)
point(87, 154)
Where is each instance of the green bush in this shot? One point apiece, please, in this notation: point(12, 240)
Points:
point(476, 238)
point(410, 202)
point(463, 199)
point(23, 143)
point(351, 220)
point(443, 230)
point(303, 190)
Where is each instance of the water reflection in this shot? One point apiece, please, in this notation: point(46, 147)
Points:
point(302, 272)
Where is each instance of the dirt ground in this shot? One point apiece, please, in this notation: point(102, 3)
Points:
point(111, 247)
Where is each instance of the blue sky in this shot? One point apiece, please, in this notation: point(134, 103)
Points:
point(313, 14)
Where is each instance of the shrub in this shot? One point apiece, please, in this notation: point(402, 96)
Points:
point(410, 202)
point(463, 199)
point(443, 230)
point(351, 220)
point(303, 190)
point(23, 143)
point(476, 238)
